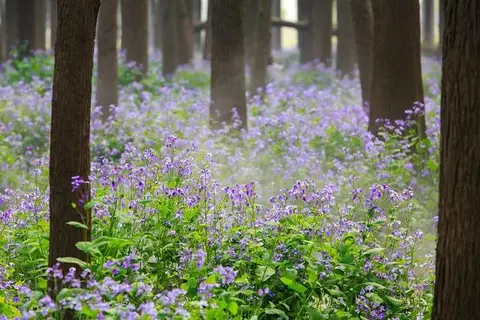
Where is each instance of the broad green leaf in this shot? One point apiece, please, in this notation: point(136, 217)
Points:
point(233, 307)
point(294, 285)
point(372, 251)
point(9, 311)
point(72, 260)
point(278, 312)
point(314, 314)
point(263, 273)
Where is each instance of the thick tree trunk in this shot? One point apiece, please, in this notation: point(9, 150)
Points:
point(457, 289)
point(277, 31)
point(170, 43)
point(40, 24)
point(305, 36)
point(70, 129)
point(11, 21)
point(321, 24)
point(3, 33)
point(26, 27)
point(53, 22)
point(345, 39)
point(207, 46)
point(158, 6)
point(441, 25)
point(261, 52)
point(107, 78)
point(185, 33)
point(362, 18)
point(427, 13)
point(135, 32)
point(397, 73)
point(227, 67)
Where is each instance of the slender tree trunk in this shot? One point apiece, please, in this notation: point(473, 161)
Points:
point(11, 22)
point(70, 129)
point(135, 32)
point(321, 21)
point(441, 24)
point(40, 24)
point(185, 33)
point(195, 9)
point(261, 46)
point(170, 43)
point(3, 33)
point(427, 13)
point(53, 22)
point(227, 67)
point(457, 289)
point(107, 79)
point(345, 39)
point(362, 18)
point(305, 36)
point(397, 73)
point(207, 46)
point(250, 13)
point(158, 6)
point(277, 31)
point(26, 27)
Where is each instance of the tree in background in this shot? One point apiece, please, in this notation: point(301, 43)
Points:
point(397, 73)
point(107, 74)
point(305, 35)
point(320, 22)
point(135, 32)
point(40, 25)
point(427, 25)
point(345, 39)
point(169, 44)
point(157, 9)
point(70, 129)
point(26, 27)
point(227, 66)
point(457, 290)
point(185, 41)
point(53, 22)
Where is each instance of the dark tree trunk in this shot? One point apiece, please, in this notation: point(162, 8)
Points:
point(321, 24)
point(397, 73)
point(26, 27)
point(261, 52)
point(427, 13)
point(207, 46)
point(170, 43)
point(305, 36)
point(70, 129)
point(362, 18)
point(277, 31)
point(135, 32)
point(3, 33)
point(107, 78)
point(158, 6)
point(345, 39)
point(250, 13)
point(53, 22)
point(185, 33)
point(227, 67)
point(11, 24)
point(40, 24)
point(457, 289)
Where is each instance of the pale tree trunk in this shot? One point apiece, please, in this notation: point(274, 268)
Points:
point(441, 24)
point(227, 66)
point(135, 32)
point(53, 22)
point(261, 47)
point(345, 39)
point(362, 18)
point(158, 6)
point(40, 24)
point(184, 33)
point(397, 73)
point(457, 289)
point(70, 131)
point(107, 78)
point(427, 10)
point(170, 43)
point(277, 31)
point(207, 46)
point(250, 12)
point(321, 24)
point(195, 10)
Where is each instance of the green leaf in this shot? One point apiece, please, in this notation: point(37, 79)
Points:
point(9, 311)
point(69, 293)
point(314, 314)
point(343, 314)
point(77, 224)
point(233, 307)
point(88, 247)
point(394, 303)
point(263, 273)
point(72, 260)
point(278, 312)
point(293, 285)
point(336, 293)
point(372, 251)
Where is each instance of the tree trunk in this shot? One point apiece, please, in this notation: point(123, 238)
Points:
point(195, 9)
point(277, 31)
point(427, 13)
point(107, 78)
point(261, 45)
point(345, 39)
point(53, 22)
point(207, 46)
point(305, 36)
point(457, 289)
point(441, 24)
point(26, 27)
point(135, 32)
point(3, 33)
point(157, 23)
point(250, 13)
point(170, 43)
point(70, 129)
point(321, 24)
point(185, 33)
point(11, 22)
point(362, 18)
point(397, 73)
point(40, 24)
point(227, 67)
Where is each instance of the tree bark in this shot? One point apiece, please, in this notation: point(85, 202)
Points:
point(3, 33)
point(26, 27)
point(321, 24)
point(397, 73)
point(277, 31)
point(70, 128)
point(345, 39)
point(250, 13)
point(427, 13)
point(457, 289)
point(11, 24)
point(157, 23)
point(107, 78)
point(441, 25)
point(195, 10)
point(305, 36)
point(227, 67)
point(170, 43)
point(362, 18)
point(53, 22)
point(40, 24)
point(261, 46)
point(135, 32)
point(207, 46)
point(185, 33)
